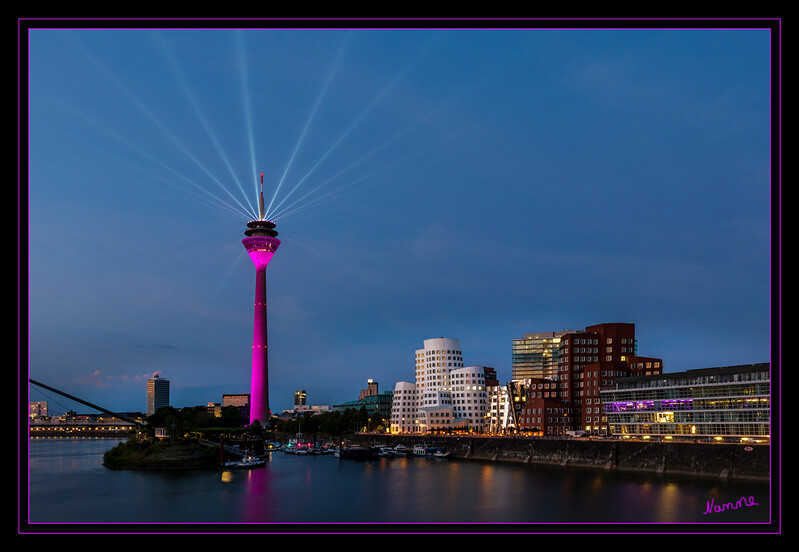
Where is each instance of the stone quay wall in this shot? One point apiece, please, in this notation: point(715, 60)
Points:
point(717, 460)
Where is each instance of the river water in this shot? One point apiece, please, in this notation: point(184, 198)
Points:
point(68, 484)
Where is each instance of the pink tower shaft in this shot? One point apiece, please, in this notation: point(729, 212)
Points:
point(261, 249)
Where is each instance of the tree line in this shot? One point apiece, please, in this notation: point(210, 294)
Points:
point(182, 421)
point(350, 420)
point(193, 418)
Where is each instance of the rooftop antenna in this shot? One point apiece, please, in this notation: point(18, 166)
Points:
point(261, 199)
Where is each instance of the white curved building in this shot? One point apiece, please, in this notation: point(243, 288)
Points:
point(469, 398)
point(433, 364)
point(403, 408)
point(447, 395)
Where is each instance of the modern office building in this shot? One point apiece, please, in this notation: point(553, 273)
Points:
point(446, 395)
point(433, 364)
point(500, 414)
point(544, 416)
point(490, 375)
point(299, 398)
point(536, 355)
point(714, 403)
point(516, 392)
point(469, 398)
point(157, 393)
point(589, 361)
point(404, 405)
point(374, 401)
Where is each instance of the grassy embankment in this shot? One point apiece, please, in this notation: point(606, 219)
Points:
point(148, 455)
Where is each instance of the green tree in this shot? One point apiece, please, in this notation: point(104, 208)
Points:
point(377, 422)
point(231, 417)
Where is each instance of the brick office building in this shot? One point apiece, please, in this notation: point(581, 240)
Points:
point(589, 361)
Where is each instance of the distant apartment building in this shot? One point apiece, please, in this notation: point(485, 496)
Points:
point(370, 399)
point(240, 401)
point(157, 394)
point(37, 409)
point(301, 407)
point(713, 403)
point(371, 389)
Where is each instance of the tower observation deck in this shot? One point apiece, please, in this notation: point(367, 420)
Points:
point(261, 243)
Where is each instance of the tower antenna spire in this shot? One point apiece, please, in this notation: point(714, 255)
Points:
point(261, 200)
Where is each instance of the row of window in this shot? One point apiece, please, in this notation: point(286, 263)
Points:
point(753, 430)
point(693, 417)
point(693, 392)
point(549, 420)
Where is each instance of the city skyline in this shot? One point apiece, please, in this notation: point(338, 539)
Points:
point(468, 184)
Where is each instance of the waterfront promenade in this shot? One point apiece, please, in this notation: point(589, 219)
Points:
point(736, 461)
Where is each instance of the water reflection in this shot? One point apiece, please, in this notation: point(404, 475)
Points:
point(69, 484)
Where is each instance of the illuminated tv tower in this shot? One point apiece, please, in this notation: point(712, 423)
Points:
point(261, 243)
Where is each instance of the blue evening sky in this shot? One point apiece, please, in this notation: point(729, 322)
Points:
point(473, 184)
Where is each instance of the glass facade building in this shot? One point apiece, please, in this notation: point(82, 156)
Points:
point(157, 394)
point(733, 401)
point(536, 356)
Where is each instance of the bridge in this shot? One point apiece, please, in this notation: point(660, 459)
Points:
point(131, 421)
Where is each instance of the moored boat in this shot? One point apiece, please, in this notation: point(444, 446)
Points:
point(355, 452)
point(424, 450)
point(248, 461)
point(300, 445)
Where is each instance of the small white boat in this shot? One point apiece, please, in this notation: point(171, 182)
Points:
point(248, 461)
point(424, 450)
point(419, 450)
